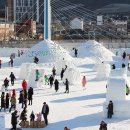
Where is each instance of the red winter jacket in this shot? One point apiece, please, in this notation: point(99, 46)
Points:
point(24, 85)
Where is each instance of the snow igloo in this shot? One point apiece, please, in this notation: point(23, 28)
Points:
point(73, 75)
point(103, 71)
point(25, 69)
point(32, 77)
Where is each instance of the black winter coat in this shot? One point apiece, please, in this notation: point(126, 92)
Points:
point(103, 127)
point(6, 82)
point(51, 80)
point(110, 108)
point(62, 73)
point(2, 101)
point(30, 93)
point(21, 98)
point(46, 109)
point(7, 101)
point(12, 77)
point(14, 118)
point(56, 84)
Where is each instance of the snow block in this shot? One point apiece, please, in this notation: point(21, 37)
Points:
point(32, 77)
point(119, 72)
point(103, 71)
point(117, 58)
point(73, 75)
point(116, 89)
point(120, 108)
point(25, 69)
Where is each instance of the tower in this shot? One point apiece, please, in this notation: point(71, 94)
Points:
point(47, 20)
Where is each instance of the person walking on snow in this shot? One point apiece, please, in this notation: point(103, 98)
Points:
point(12, 78)
point(13, 102)
point(3, 101)
point(11, 62)
point(14, 120)
point(0, 63)
point(62, 73)
point(84, 81)
point(21, 98)
point(30, 94)
point(45, 112)
point(67, 86)
point(56, 85)
point(7, 101)
point(37, 75)
point(54, 72)
point(110, 109)
point(6, 83)
point(124, 55)
point(76, 52)
point(51, 80)
point(24, 84)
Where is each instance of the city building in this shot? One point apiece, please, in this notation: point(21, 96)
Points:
point(6, 31)
point(21, 10)
point(77, 23)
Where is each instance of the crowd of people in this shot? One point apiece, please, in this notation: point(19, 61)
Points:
point(9, 100)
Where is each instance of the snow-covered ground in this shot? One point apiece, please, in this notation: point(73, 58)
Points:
point(79, 110)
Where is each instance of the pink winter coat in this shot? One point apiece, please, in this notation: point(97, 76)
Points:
point(39, 117)
point(84, 81)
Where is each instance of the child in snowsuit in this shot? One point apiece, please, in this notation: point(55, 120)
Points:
point(39, 117)
point(46, 79)
point(103, 126)
point(84, 81)
point(32, 116)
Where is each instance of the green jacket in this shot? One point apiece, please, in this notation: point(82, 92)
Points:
point(127, 90)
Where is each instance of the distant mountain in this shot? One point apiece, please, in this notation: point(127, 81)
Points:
point(96, 4)
point(90, 4)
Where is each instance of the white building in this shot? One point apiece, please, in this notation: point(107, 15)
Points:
point(99, 20)
point(76, 23)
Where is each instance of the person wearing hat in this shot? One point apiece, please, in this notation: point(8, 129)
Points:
point(110, 109)
point(66, 128)
point(103, 126)
point(45, 112)
point(14, 120)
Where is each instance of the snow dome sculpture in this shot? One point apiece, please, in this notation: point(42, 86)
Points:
point(103, 71)
point(32, 77)
point(25, 69)
point(47, 52)
point(73, 75)
point(94, 49)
